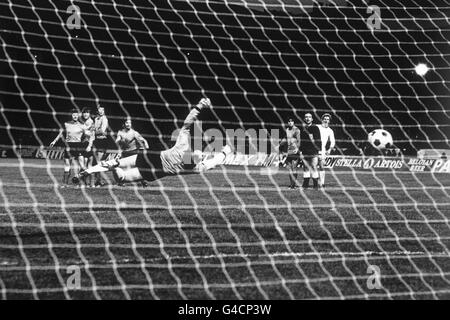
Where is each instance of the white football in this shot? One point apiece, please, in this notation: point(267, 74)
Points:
point(380, 139)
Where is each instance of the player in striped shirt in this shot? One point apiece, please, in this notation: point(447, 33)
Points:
point(328, 144)
point(151, 166)
point(72, 134)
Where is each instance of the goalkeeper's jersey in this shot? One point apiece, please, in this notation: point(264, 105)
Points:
point(310, 141)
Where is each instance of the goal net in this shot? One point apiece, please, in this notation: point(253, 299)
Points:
point(380, 227)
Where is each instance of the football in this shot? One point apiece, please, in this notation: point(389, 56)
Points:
point(380, 139)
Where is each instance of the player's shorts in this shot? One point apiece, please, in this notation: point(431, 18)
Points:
point(309, 157)
point(74, 149)
point(150, 165)
point(87, 154)
point(101, 144)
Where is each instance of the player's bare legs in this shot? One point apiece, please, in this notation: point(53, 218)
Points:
point(315, 171)
point(81, 165)
point(292, 164)
point(89, 161)
point(66, 175)
point(99, 179)
point(321, 168)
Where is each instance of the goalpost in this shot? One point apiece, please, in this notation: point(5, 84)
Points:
point(235, 232)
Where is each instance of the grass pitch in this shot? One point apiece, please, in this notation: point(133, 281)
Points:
point(231, 233)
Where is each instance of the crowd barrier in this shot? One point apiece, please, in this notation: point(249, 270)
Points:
point(360, 163)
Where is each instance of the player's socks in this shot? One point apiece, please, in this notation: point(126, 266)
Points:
point(315, 177)
point(291, 180)
point(306, 177)
point(305, 183)
point(322, 177)
point(315, 183)
point(66, 177)
point(293, 177)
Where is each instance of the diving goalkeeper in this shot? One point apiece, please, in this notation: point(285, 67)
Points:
point(151, 166)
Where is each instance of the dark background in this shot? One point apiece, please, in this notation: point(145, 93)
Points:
point(151, 59)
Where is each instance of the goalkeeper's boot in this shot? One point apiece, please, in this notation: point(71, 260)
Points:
point(110, 164)
point(81, 175)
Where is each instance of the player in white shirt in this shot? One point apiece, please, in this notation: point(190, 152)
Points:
point(328, 144)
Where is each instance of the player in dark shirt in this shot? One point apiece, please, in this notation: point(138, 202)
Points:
point(310, 145)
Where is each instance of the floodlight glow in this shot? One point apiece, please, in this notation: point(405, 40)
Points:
point(422, 69)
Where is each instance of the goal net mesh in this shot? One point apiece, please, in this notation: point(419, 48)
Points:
point(237, 231)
